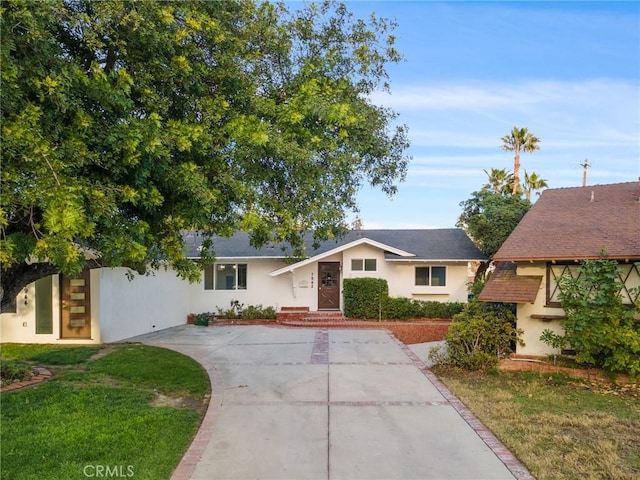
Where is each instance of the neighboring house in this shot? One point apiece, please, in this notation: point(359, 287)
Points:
point(104, 306)
point(564, 227)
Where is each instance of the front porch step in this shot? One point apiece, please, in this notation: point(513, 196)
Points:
point(291, 313)
point(325, 316)
point(302, 314)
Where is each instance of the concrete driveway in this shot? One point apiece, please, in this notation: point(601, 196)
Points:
point(295, 404)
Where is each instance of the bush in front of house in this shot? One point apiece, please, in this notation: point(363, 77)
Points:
point(602, 330)
point(238, 310)
point(403, 308)
point(478, 337)
point(258, 312)
point(368, 298)
point(202, 319)
point(364, 297)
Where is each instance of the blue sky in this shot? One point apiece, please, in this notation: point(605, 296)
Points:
point(569, 72)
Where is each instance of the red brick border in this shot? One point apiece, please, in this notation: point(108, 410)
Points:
point(40, 375)
point(519, 471)
point(193, 455)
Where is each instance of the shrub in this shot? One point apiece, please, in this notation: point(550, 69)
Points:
point(234, 310)
point(479, 336)
point(404, 308)
point(237, 310)
point(368, 298)
point(601, 329)
point(14, 370)
point(202, 319)
point(364, 297)
point(257, 312)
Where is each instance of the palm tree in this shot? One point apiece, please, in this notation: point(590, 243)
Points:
point(519, 139)
point(500, 180)
point(532, 183)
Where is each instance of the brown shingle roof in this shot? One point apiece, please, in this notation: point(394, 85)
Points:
point(505, 286)
point(578, 223)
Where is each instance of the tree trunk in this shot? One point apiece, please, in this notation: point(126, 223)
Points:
point(516, 172)
point(15, 278)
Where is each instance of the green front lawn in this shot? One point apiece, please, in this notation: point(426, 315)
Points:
point(560, 428)
point(132, 412)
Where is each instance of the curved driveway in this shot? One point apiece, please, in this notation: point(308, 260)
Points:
point(328, 404)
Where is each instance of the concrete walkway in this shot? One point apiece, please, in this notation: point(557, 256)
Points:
point(328, 404)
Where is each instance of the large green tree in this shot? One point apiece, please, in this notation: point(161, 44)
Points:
point(125, 123)
point(519, 139)
point(489, 218)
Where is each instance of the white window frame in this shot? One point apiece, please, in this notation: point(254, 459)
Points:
point(363, 264)
point(212, 277)
point(430, 276)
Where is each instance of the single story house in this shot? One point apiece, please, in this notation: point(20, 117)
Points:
point(103, 305)
point(564, 227)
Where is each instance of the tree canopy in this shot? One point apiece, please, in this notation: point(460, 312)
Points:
point(519, 139)
point(125, 123)
point(489, 218)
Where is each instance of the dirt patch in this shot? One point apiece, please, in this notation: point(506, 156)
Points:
point(103, 352)
point(162, 400)
point(542, 367)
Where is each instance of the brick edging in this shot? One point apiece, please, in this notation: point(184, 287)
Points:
point(509, 460)
point(40, 375)
point(196, 449)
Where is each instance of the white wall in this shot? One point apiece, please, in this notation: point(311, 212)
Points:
point(261, 288)
point(534, 327)
point(400, 276)
point(142, 305)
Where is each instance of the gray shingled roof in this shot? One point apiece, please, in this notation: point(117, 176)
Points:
point(432, 244)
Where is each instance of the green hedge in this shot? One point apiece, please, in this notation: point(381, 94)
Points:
point(368, 298)
point(364, 297)
point(404, 308)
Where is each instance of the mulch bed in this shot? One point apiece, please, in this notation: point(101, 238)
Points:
point(516, 363)
point(419, 330)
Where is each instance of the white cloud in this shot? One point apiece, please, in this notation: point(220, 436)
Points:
point(519, 96)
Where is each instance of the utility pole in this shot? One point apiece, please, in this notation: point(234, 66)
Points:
point(584, 166)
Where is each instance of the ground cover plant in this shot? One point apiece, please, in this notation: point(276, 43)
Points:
point(560, 428)
point(126, 409)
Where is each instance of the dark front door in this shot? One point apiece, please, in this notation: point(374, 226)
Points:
point(329, 286)
point(75, 311)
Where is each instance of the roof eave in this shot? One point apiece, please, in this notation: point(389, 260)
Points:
point(339, 249)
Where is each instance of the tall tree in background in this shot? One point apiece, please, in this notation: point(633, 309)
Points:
point(500, 180)
point(519, 139)
point(125, 123)
point(533, 183)
point(489, 218)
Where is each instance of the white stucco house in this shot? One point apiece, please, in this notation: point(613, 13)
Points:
point(564, 227)
point(103, 305)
